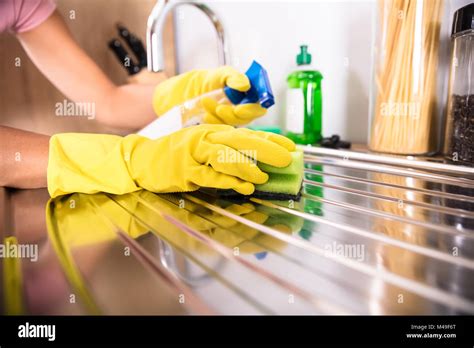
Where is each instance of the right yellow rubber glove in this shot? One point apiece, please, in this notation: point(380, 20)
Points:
point(217, 156)
point(178, 89)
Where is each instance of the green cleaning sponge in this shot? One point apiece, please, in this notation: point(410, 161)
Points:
point(283, 183)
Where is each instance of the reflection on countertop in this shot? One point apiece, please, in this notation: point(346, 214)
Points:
point(375, 241)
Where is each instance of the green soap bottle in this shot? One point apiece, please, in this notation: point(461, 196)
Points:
point(304, 102)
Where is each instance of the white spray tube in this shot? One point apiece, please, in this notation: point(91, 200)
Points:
point(190, 113)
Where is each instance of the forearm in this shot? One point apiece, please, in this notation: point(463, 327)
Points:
point(23, 158)
point(128, 106)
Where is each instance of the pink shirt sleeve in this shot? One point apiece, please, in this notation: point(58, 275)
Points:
point(23, 15)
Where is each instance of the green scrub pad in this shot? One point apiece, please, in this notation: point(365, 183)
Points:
point(283, 183)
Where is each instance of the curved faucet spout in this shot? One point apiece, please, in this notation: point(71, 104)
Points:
point(154, 33)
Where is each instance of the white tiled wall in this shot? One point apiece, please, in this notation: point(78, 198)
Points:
point(338, 33)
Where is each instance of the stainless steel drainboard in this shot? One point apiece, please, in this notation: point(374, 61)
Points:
point(370, 235)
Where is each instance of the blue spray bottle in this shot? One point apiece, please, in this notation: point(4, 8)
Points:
point(192, 111)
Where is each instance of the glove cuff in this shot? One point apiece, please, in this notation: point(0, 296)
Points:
point(88, 163)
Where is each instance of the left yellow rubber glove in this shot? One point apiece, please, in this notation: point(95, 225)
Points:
point(217, 156)
point(176, 90)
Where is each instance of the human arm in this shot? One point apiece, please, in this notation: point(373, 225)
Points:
point(57, 55)
point(23, 158)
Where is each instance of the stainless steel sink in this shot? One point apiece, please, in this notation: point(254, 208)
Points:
point(371, 235)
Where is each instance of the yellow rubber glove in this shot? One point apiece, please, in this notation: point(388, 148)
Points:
point(193, 157)
point(176, 90)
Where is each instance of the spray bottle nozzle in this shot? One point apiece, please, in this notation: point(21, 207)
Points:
point(260, 89)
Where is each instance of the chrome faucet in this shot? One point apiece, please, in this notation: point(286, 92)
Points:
point(154, 32)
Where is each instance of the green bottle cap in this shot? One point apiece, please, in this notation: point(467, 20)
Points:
point(304, 58)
